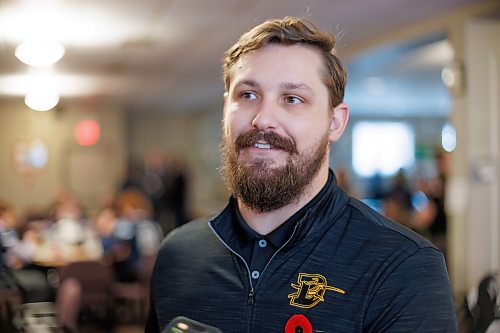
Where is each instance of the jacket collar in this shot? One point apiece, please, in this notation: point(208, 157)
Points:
point(319, 216)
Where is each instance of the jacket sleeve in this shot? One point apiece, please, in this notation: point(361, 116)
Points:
point(414, 297)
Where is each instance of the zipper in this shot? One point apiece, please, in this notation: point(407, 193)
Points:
point(278, 250)
point(250, 297)
point(251, 292)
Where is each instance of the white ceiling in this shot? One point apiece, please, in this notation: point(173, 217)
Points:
point(165, 55)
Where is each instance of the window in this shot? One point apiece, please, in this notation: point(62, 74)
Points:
point(382, 147)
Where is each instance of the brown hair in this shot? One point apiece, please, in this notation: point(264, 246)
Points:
point(290, 31)
point(133, 199)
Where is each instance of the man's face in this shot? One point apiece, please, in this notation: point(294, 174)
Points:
point(276, 128)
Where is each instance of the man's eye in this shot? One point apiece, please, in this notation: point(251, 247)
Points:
point(248, 95)
point(293, 100)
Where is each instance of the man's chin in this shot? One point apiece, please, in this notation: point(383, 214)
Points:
point(264, 170)
point(263, 164)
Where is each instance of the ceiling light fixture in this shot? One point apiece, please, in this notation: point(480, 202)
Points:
point(39, 53)
point(41, 101)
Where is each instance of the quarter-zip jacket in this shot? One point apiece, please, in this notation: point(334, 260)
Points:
point(345, 268)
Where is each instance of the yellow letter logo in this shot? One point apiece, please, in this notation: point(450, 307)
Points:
point(310, 290)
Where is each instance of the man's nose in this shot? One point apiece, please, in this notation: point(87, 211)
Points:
point(266, 116)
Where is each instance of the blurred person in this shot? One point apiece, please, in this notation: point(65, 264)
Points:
point(133, 176)
point(105, 224)
point(430, 218)
point(17, 255)
point(376, 188)
point(176, 190)
point(37, 234)
point(292, 252)
point(127, 236)
point(401, 190)
point(70, 289)
point(154, 183)
point(72, 237)
point(396, 203)
point(134, 236)
point(442, 161)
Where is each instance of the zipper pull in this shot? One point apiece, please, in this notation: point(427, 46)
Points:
point(250, 296)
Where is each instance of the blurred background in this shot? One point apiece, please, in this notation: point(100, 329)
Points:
point(110, 112)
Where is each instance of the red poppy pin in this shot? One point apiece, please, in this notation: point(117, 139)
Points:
point(298, 324)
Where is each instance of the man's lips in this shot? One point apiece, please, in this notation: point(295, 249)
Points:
point(264, 140)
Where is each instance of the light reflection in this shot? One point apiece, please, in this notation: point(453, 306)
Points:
point(448, 138)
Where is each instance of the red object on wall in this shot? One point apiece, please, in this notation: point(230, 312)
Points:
point(87, 132)
point(298, 324)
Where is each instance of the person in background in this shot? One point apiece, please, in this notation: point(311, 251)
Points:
point(292, 252)
point(430, 218)
point(397, 202)
point(17, 254)
point(133, 176)
point(134, 236)
point(176, 190)
point(72, 237)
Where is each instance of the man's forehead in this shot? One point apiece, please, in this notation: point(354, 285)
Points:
point(276, 48)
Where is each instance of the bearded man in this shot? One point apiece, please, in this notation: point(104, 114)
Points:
point(292, 252)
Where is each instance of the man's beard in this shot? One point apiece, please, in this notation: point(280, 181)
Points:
point(263, 188)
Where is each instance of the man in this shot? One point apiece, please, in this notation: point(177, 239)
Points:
point(292, 252)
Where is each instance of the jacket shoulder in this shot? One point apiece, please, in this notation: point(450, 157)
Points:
point(188, 234)
point(374, 221)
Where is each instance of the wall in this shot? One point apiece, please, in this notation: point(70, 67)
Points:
point(474, 182)
point(90, 172)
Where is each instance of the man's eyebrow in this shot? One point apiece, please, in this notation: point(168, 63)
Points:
point(285, 85)
point(250, 83)
point(295, 86)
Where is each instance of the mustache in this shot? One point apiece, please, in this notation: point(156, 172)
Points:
point(252, 137)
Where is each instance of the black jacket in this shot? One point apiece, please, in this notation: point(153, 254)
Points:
point(345, 268)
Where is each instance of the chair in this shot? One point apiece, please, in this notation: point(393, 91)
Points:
point(89, 292)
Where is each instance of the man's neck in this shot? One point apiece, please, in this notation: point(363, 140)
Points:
point(264, 223)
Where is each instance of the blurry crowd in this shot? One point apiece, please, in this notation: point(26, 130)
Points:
point(123, 236)
point(421, 209)
point(418, 204)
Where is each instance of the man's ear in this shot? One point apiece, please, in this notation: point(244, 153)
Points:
point(339, 121)
point(226, 102)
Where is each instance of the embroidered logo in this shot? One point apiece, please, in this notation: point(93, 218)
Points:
point(310, 290)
